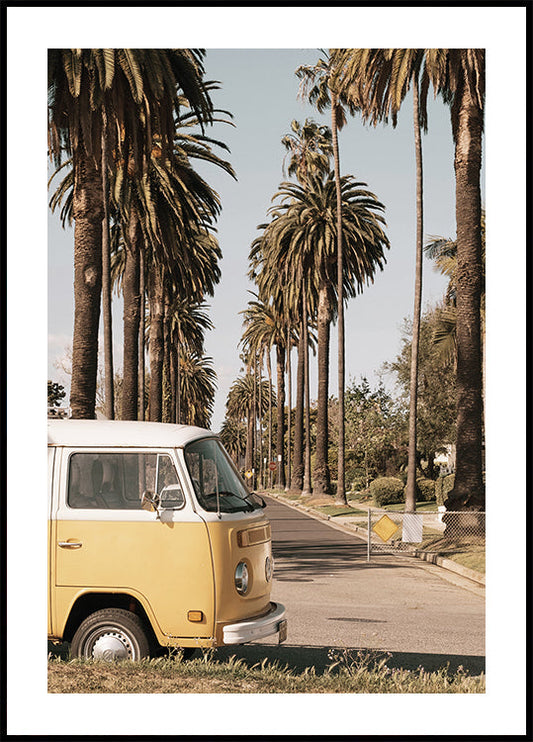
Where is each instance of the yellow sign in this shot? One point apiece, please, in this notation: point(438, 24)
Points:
point(248, 474)
point(385, 528)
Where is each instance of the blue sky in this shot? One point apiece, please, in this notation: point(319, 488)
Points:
point(263, 100)
point(260, 89)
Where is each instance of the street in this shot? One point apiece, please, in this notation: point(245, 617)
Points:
point(336, 599)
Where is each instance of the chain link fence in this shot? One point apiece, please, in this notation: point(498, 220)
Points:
point(444, 532)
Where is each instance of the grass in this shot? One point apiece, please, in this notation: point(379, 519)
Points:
point(351, 671)
point(469, 553)
point(334, 510)
point(421, 507)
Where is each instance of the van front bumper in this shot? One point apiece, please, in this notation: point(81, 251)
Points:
point(274, 622)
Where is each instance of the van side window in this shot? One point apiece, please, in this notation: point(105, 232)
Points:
point(117, 480)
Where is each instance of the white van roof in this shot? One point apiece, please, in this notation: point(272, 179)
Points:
point(122, 433)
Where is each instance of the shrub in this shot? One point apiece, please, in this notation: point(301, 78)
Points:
point(355, 478)
point(386, 491)
point(425, 489)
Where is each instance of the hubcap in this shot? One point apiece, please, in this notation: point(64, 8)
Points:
point(112, 646)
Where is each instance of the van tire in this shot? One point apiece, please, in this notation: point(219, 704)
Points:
point(111, 634)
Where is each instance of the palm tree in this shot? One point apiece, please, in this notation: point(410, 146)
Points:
point(302, 237)
point(197, 388)
point(233, 437)
point(106, 281)
point(187, 325)
point(444, 253)
point(318, 85)
point(399, 69)
point(459, 76)
point(138, 89)
point(266, 327)
point(240, 405)
point(309, 147)
point(178, 208)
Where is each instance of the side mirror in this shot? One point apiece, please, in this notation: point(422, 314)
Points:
point(150, 501)
point(259, 499)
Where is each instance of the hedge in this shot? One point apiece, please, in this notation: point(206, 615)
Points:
point(425, 489)
point(386, 491)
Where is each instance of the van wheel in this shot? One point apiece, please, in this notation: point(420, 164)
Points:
point(110, 634)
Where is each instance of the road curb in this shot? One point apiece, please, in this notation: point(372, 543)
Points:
point(424, 556)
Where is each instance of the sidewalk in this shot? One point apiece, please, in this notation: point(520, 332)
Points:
point(348, 524)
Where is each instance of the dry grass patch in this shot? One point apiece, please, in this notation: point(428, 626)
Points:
point(467, 551)
point(349, 673)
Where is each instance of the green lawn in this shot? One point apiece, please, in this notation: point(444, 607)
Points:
point(334, 510)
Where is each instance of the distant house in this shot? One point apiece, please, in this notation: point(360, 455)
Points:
point(446, 460)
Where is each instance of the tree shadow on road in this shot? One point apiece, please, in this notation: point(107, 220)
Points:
point(295, 560)
point(298, 658)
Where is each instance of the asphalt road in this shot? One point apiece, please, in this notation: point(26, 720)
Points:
point(336, 600)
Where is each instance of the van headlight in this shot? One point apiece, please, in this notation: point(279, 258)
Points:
point(241, 578)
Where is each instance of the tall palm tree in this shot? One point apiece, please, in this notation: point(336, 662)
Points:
point(459, 76)
point(106, 281)
point(309, 148)
point(400, 68)
point(197, 388)
point(318, 86)
point(303, 234)
point(444, 253)
point(178, 208)
point(233, 437)
point(266, 327)
point(187, 326)
point(199, 272)
point(139, 91)
point(240, 405)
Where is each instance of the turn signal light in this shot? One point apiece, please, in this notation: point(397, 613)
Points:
point(195, 616)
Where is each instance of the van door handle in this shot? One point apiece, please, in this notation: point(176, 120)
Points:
point(70, 544)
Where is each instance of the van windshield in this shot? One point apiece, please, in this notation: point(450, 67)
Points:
point(217, 485)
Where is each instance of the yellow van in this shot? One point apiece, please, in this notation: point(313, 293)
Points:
point(154, 541)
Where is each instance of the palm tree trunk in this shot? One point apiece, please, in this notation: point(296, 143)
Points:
point(167, 389)
point(132, 301)
point(341, 475)
point(410, 493)
point(156, 344)
point(280, 442)
point(468, 492)
point(298, 457)
point(321, 474)
point(269, 371)
point(88, 213)
point(142, 330)
point(249, 440)
point(254, 431)
point(106, 286)
point(289, 404)
point(260, 418)
point(178, 384)
point(307, 486)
